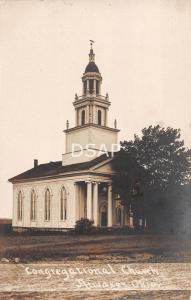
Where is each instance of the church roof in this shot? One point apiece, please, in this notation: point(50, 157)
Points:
point(91, 67)
point(56, 168)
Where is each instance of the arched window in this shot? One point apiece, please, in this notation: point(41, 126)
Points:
point(99, 117)
point(20, 206)
point(33, 206)
point(83, 117)
point(63, 204)
point(47, 205)
point(91, 85)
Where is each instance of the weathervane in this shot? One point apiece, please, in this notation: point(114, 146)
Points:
point(91, 43)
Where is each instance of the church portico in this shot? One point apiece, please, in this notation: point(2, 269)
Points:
point(91, 197)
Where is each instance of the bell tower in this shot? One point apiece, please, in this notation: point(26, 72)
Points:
point(91, 129)
point(91, 107)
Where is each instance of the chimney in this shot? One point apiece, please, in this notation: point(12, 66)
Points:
point(35, 163)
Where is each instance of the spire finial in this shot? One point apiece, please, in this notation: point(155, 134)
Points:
point(91, 54)
point(91, 43)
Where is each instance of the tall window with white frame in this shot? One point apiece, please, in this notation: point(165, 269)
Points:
point(47, 205)
point(33, 206)
point(20, 206)
point(63, 204)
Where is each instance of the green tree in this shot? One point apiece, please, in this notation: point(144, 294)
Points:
point(161, 152)
point(129, 182)
point(162, 165)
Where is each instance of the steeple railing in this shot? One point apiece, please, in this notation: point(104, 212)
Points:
point(78, 98)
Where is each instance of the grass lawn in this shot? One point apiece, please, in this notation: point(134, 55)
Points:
point(135, 248)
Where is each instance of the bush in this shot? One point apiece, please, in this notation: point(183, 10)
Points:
point(84, 226)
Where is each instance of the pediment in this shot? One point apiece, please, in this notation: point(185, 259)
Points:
point(104, 167)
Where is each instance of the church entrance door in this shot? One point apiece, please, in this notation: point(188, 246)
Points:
point(103, 218)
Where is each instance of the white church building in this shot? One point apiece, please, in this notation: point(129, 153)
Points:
point(53, 196)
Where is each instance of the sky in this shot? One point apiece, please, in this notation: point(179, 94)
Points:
point(142, 49)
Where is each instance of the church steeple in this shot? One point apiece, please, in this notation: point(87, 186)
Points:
point(91, 107)
point(91, 78)
point(91, 116)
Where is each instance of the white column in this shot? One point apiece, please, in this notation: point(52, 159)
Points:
point(93, 114)
point(77, 198)
point(145, 224)
point(76, 115)
point(109, 205)
point(130, 218)
point(89, 200)
point(131, 222)
point(99, 87)
point(88, 86)
point(122, 216)
point(95, 203)
point(81, 202)
point(71, 205)
point(94, 85)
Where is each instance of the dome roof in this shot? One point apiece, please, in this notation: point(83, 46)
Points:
point(91, 67)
